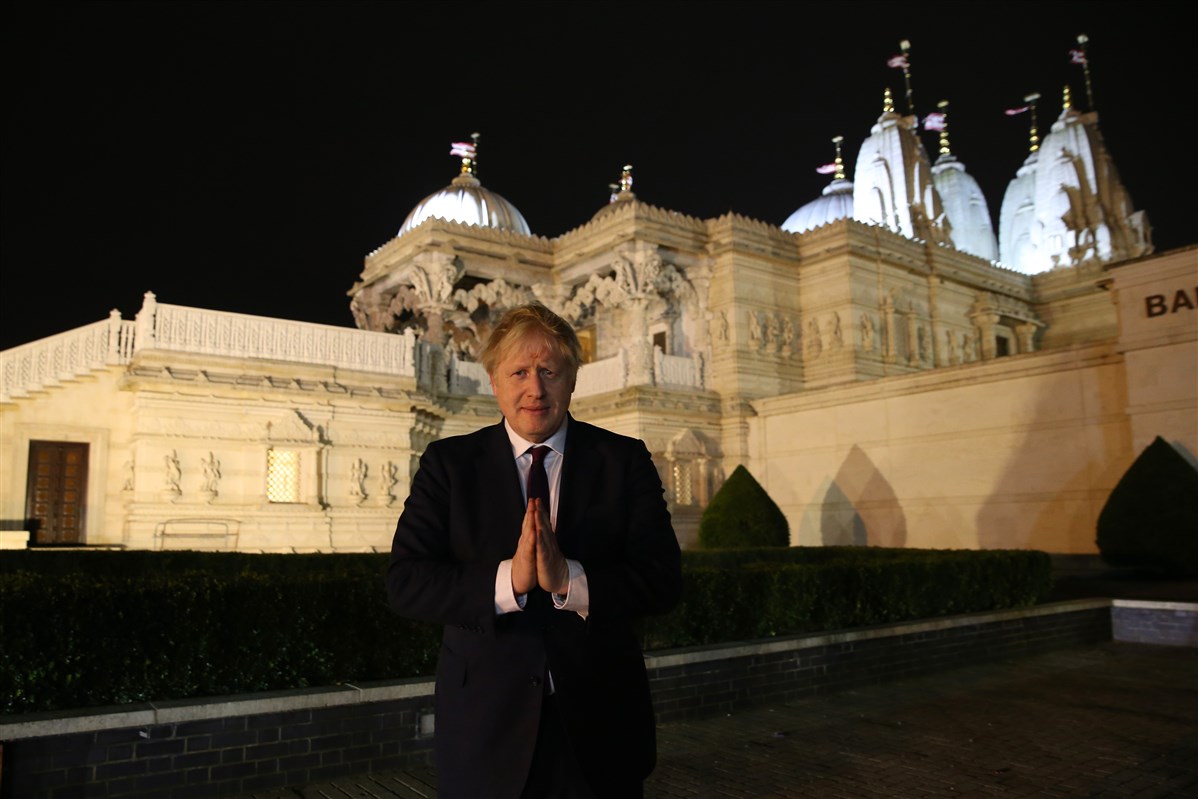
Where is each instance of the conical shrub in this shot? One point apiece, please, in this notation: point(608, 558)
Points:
point(1150, 520)
point(741, 514)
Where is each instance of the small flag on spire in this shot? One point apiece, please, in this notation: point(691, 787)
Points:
point(1077, 56)
point(1015, 111)
point(463, 149)
point(898, 62)
point(934, 121)
point(826, 169)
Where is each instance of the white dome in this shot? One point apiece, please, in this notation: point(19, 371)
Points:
point(466, 201)
point(836, 202)
point(966, 208)
point(1016, 217)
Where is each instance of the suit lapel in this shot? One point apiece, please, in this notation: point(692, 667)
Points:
point(501, 502)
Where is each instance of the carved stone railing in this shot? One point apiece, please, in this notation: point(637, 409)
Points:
point(113, 341)
point(49, 361)
point(597, 377)
point(182, 329)
point(467, 378)
point(177, 328)
point(675, 370)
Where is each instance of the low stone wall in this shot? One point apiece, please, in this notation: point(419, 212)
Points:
point(239, 745)
point(1167, 623)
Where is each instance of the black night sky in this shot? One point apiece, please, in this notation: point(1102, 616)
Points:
point(246, 156)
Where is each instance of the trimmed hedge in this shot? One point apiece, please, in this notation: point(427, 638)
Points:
point(738, 595)
point(85, 629)
point(742, 514)
point(1150, 520)
point(82, 629)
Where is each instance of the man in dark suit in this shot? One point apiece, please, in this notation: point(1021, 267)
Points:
point(538, 578)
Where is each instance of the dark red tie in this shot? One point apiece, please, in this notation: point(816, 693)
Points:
point(538, 480)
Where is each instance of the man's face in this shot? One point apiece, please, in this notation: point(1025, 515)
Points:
point(533, 384)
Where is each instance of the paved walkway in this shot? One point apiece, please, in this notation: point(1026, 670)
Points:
point(1112, 720)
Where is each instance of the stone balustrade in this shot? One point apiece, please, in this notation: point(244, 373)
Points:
point(199, 330)
point(114, 341)
point(65, 356)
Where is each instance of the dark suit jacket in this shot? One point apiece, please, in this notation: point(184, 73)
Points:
point(462, 517)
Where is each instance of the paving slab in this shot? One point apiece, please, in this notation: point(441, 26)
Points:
point(1112, 721)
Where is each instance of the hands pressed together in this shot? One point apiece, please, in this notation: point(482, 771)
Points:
point(538, 560)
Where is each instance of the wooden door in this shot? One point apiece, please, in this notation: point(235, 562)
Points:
point(56, 491)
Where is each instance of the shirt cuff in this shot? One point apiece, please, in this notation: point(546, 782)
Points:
point(578, 594)
point(506, 600)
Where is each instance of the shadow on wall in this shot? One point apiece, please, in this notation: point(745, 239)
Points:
point(1060, 468)
point(859, 508)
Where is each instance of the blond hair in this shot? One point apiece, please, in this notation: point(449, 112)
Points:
point(528, 320)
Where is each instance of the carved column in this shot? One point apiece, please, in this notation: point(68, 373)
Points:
point(1027, 336)
point(890, 348)
point(144, 337)
point(911, 323)
point(986, 322)
point(640, 349)
point(940, 356)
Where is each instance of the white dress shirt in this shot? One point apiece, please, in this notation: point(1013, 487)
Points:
point(577, 597)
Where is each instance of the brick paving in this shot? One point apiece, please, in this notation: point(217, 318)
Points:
point(1114, 720)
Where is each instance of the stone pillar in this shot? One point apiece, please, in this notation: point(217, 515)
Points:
point(144, 337)
point(911, 324)
point(940, 356)
point(1027, 336)
point(640, 349)
point(890, 347)
point(986, 324)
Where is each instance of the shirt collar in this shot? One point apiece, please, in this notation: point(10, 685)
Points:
point(556, 442)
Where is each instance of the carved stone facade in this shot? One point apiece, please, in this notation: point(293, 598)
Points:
point(884, 390)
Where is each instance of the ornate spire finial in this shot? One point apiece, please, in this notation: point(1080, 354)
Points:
point(943, 122)
point(887, 102)
point(1079, 56)
point(839, 161)
point(1030, 99)
point(468, 152)
point(623, 189)
point(905, 46)
point(903, 61)
point(1034, 140)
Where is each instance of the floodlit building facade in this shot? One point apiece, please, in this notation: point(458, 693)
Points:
point(890, 369)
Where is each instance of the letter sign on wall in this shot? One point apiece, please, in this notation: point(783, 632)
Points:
point(1160, 304)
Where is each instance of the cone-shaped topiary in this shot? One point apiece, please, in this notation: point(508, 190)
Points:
point(1150, 519)
point(741, 514)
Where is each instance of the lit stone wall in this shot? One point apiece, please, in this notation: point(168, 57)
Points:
point(88, 409)
point(1020, 452)
point(857, 374)
point(1016, 452)
point(1158, 317)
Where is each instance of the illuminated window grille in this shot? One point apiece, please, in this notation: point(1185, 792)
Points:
point(683, 489)
point(282, 475)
